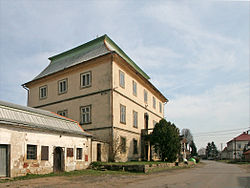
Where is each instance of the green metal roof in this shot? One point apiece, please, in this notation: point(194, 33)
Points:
point(92, 49)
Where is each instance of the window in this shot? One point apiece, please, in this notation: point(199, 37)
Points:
point(145, 96)
point(31, 152)
point(62, 86)
point(134, 88)
point(123, 144)
point(160, 107)
point(43, 92)
point(86, 79)
point(45, 153)
point(154, 122)
point(86, 114)
point(135, 119)
point(135, 148)
point(122, 114)
point(70, 152)
point(63, 113)
point(122, 79)
point(239, 146)
point(78, 153)
point(154, 102)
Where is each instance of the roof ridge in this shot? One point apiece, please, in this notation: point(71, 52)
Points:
point(77, 48)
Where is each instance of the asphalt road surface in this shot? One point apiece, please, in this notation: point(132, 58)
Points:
point(210, 174)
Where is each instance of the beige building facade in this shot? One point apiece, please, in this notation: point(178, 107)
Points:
point(98, 85)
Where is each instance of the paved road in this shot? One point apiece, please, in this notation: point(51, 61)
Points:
point(211, 174)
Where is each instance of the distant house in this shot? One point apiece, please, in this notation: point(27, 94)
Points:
point(224, 153)
point(235, 147)
point(202, 153)
point(37, 141)
point(246, 154)
point(98, 85)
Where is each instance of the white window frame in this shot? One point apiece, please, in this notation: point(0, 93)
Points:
point(86, 82)
point(62, 88)
point(63, 113)
point(122, 114)
point(135, 146)
point(134, 85)
point(145, 96)
point(135, 119)
point(42, 94)
point(154, 102)
point(79, 155)
point(86, 114)
point(122, 79)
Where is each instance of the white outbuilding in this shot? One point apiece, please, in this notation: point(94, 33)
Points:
point(38, 142)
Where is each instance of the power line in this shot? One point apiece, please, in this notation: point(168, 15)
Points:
point(221, 131)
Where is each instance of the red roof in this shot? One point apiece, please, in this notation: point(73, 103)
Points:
point(247, 152)
point(243, 137)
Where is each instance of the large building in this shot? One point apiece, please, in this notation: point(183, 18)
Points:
point(98, 85)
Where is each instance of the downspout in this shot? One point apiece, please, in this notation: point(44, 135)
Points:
point(28, 93)
point(111, 108)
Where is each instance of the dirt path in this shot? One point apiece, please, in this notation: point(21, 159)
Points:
point(212, 174)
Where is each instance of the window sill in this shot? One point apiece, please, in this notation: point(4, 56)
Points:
point(85, 123)
point(83, 87)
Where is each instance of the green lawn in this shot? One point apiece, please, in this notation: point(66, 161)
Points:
point(128, 163)
point(72, 173)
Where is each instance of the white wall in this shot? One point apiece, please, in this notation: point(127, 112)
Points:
point(18, 139)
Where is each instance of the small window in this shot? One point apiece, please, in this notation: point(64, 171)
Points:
point(123, 144)
point(32, 152)
point(63, 113)
point(122, 114)
point(135, 119)
point(86, 79)
point(70, 152)
point(154, 123)
point(239, 146)
point(43, 92)
point(135, 148)
point(154, 103)
point(78, 153)
point(86, 114)
point(62, 86)
point(45, 153)
point(134, 88)
point(122, 79)
point(145, 96)
point(160, 107)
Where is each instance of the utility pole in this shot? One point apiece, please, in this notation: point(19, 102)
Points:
point(221, 146)
point(234, 149)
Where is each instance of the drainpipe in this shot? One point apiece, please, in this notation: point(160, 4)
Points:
point(28, 93)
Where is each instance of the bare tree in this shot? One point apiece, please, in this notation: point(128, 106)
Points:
point(116, 148)
point(187, 134)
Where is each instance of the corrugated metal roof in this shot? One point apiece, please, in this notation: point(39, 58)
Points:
point(35, 118)
point(74, 58)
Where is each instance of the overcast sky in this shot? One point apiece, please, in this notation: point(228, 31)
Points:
point(196, 53)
